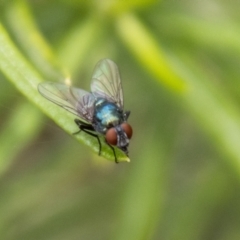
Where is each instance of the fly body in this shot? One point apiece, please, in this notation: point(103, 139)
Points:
point(99, 111)
point(106, 115)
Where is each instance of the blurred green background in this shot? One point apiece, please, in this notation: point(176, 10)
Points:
point(180, 68)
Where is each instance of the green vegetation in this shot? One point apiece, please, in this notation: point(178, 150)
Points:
point(179, 62)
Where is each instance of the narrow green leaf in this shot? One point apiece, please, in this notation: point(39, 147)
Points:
point(77, 43)
point(26, 79)
point(146, 49)
point(118, 6)
point(32, 41)
point(219, 117)
point(215, 113)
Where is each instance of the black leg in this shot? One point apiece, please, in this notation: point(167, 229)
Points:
point(116, 161)
point(88, 128)
point(80, 123)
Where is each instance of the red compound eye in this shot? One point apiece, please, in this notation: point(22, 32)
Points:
point(127, 129)
point(111, 136)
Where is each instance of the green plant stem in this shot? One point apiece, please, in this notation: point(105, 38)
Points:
point(148, 52)
point(32, 41)
point(75, 47)
point(216, 115)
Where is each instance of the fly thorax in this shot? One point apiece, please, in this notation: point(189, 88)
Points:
point(122, 139)
point(106, 115)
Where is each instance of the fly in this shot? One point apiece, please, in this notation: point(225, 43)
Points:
point(100, 112)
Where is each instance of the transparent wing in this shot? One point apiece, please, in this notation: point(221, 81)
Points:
point(106, 82)
point(74, 100)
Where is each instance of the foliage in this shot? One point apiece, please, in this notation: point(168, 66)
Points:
point(180, 72)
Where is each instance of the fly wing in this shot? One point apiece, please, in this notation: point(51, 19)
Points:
point(74, 100)
point(106, 82)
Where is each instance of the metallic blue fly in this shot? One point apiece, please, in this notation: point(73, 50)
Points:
point(101, 110)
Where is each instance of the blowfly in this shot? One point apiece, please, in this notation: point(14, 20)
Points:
point(100, 112)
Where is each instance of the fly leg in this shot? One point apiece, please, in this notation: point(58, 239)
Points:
point(116, 161)
point(80, 123)
point(88, 128)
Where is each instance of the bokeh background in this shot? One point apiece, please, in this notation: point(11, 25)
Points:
point(180, 68)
